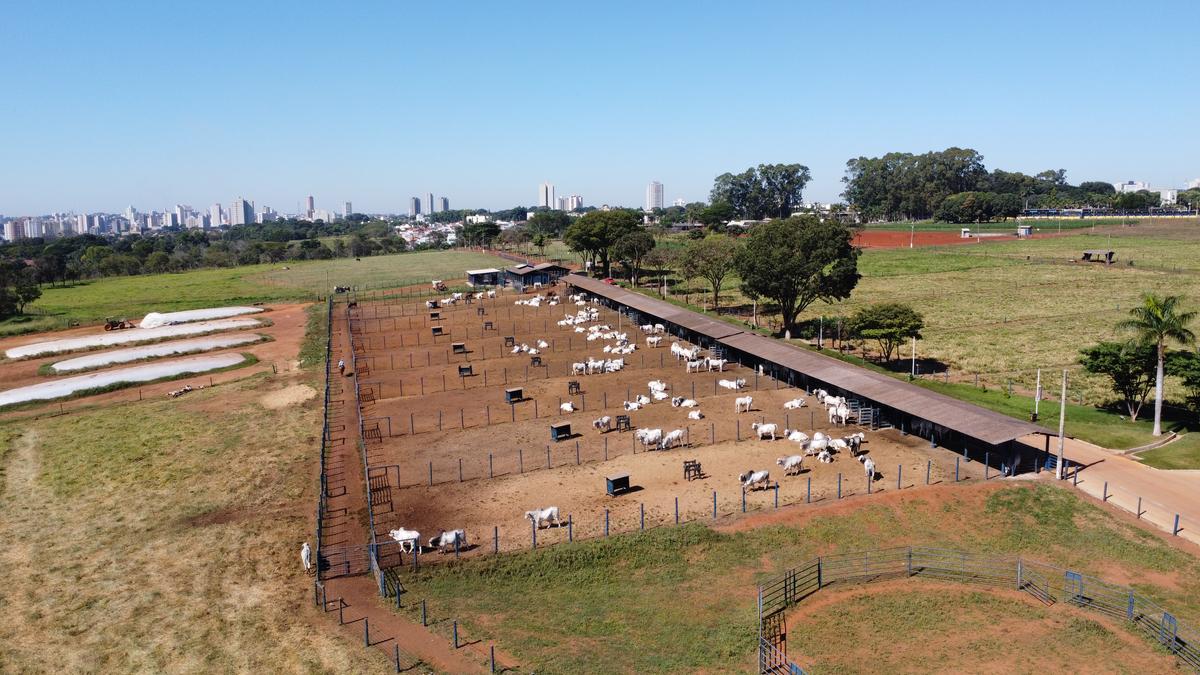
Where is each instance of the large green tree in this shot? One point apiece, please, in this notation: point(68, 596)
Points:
point(1129, 367)
point(596, 233)
point(550, 223)
point(888, 323)
point(712, 259)
point(797, 261)
point(632, 247)
point(1158, 321)
point(770, 190)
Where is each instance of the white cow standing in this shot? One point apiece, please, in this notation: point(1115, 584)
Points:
point(306, 557)
point(546, 515)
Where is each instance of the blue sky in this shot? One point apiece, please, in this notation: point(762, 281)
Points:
point(157, 103)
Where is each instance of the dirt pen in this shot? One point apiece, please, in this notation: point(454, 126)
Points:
point(451, 448)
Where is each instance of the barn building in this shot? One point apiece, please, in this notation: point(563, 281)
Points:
point(484, 277)
point(525, 276)
point(880, 401)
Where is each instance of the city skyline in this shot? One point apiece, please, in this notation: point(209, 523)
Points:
point(997, 96)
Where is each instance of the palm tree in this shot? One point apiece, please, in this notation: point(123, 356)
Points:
point(1157, 321)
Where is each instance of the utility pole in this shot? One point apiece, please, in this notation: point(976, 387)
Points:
point(913, 373)
point(1062, 424)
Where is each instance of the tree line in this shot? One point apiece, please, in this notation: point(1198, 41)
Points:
point(953, 185)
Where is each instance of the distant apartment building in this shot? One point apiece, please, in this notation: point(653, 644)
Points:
point(216, 215)
point(654, 195)
point(574, 203)
point(346, 209)
point(546, 196)
point(14, 230)
point(241, 212)
point(414, 207)
point(429, 204)
point(443, 204)
point(309, 207)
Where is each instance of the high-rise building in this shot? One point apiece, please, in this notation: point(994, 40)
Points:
point(562, 204)
point(414, 207)
point(546, 196)
point(574, 202)
point(346, 210)
point(679, 202)
point(310, 206)
point(14, 230)
point(242, 212)
point(654, 195)
point(216, 215)
point(429, 203)
point(443, 204)
point(81, 222)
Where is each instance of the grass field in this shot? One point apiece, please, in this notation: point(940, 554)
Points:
point(683, 598)
point(131, 546)
point(133, 297)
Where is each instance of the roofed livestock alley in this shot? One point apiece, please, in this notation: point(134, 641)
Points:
point(877, 399)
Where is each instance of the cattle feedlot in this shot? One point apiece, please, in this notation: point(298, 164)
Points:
point(489, 460)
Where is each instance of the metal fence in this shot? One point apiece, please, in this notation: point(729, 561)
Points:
point(323, 493)
point(1047, 583)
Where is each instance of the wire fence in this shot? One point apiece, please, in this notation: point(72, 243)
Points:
point(1048, 583)
point(326, 437)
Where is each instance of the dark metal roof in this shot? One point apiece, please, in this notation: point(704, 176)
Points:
point(663, 310)
point(966, 418)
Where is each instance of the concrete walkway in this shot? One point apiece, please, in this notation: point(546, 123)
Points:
point(1163, 494)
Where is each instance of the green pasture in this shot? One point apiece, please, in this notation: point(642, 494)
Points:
point(678, 599)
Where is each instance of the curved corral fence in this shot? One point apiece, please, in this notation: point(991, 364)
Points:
point(1047, 583)
point(889, 402)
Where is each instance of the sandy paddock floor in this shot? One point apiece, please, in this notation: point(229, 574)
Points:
point(518, 450)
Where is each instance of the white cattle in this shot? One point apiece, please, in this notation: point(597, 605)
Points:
point(794, 404)
point(491, 293)
point(820, 395)
point(647, 328)
point(657, 385)
point(795, 436)
point(659, 328)
point(671, 439)
point(649, 437)
point(819, 443)
point(732, 384)
point(602, 423)
point(659, 395)
point(642, 399)
point(446, 541)
point(306, 556)
point(869, 467)
point(825, 456)
point(717, 364)
point(578, 368)
point(790, 464)
point(855, 442)
point(685, 403)
point(764, 430)
point(632, 405)
point(654, 341)
point(695, 415)
point(409, 540)
point(542, 344)
point(752, 479)
point(695, 366)
point(546, 515)
point(742, 402)
point(838, 445)
point(567, 407)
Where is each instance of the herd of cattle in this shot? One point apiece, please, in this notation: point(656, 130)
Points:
point(822, 446)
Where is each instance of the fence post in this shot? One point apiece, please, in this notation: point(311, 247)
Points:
point(490, 474)
point(1075, 477)
point(576, 453)
point(899, 473)
point(642, 511)
point(1130, 606)
point(714, 504)
point(606, 522)
point(1105, 497)
point(460, 473)
point(819, 572)
point(431, 473)
point(928, 468)
point(533, 529)
point(424, 619)
point(547, 457)
point(808, 496)
point(366, 632)
point(956, 469)
point(520, 460)
point(777, 495)
point(1139, 509)
point(493, 659)
point(456, 633)
point(396, 656)
point(986, 466)
point(1020, 574)
point(677, 510)
point(1175, 529)
point(570, 528)
point(839, 485)
point(743, 499)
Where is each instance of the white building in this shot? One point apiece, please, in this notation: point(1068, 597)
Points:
point(546, 196)
point(346, 210)
point(309, 208)
point(1131, 186)
point(414, 207)
point(654, 195)
point(1167, 196)
point(242, 212)
point(574, 202)
point(216, 215)
point(429, 203)
point(679, 202)
point(1193, 184)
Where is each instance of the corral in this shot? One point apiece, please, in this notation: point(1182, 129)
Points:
point(449, 450)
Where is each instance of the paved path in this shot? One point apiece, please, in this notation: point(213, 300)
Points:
point(1163, 493)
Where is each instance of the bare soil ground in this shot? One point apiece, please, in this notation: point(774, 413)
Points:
point(490, 462)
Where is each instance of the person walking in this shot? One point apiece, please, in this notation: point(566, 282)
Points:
point(341, 367)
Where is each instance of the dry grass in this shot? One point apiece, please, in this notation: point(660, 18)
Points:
point(162, 537)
